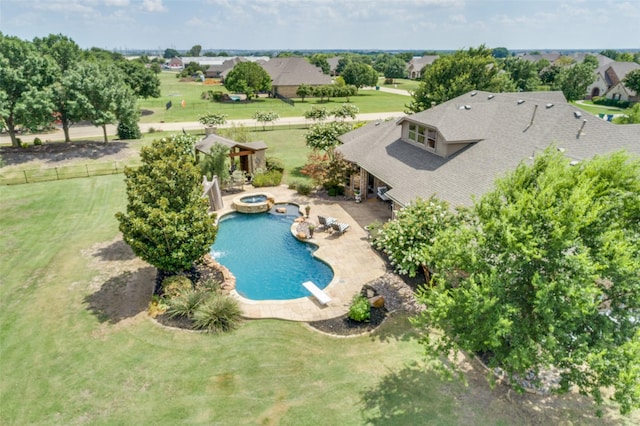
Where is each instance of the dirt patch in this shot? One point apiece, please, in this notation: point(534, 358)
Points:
point(123, 287)
point(66, 153)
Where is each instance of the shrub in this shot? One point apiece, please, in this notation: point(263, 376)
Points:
point(304, 188)
point(208, 284)
point(175, 285)
point(333, 190)
point(359, 310)
point(37, 141)
point(157, 306)
point(217, 314)
point(185, 304)
point(275, 164)
point(128, 130)
point(272, 178)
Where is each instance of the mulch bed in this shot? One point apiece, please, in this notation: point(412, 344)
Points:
point(399, 297)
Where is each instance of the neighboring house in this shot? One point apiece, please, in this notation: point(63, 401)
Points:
point(609, 83)
point(456, 150)
point(174, 64)
point(289, 73)
point(552, 57)
point(221, 70)
point(252, 155)
point(333, 65)
point(416, 64)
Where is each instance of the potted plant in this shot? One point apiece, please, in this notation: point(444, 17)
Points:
point(312, 228)
point(210, 120)
point(307, 209)
point(357, 196)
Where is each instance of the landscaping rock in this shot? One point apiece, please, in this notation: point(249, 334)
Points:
point(376, 301)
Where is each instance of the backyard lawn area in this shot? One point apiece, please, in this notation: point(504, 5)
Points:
point(77, 347)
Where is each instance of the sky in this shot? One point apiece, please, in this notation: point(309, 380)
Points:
point(421, 25)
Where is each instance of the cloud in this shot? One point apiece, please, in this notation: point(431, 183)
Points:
point(458, 19)
point(153, 6)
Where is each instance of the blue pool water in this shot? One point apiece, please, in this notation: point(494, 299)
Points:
point(268, 262)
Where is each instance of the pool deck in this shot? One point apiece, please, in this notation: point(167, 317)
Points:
point(350, 255)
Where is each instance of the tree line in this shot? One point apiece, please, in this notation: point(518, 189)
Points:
point(51, 79)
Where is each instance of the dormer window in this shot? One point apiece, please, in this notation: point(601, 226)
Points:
point(422, 135)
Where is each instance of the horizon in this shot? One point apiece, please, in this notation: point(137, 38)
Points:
point(312, 25)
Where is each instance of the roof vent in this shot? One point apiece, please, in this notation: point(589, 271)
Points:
point(560, 149)
point(520, 101)
point(467, 107)
point(581, 131)
point(577, 114)
point(574, 162)
point(549, 105)
point(490, 96)
point(474, 93)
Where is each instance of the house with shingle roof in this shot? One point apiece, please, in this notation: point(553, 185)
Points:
point(287, 74)
point(608, 82)
point(416, 65)
point(456, 150)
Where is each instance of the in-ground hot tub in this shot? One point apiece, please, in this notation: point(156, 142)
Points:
point(258, 202)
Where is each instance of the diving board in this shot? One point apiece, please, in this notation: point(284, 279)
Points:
point(322, 297)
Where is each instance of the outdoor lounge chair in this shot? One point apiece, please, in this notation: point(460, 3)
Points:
point(326, 221)
point(382, 193)
point(340, 228)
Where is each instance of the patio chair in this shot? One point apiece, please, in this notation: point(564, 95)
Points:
point(340, 228)
point(382, 190)
point(326, 221)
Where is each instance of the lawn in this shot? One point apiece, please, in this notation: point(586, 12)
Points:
point(71, 355)
point(173, 90)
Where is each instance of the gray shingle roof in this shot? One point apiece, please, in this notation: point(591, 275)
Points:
point(294, 71)
point(504, 134)
point(205, 144)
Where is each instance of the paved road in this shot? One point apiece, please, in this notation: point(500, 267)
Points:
point(82, 132)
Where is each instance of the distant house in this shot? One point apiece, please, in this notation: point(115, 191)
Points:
point(333, 65)
point(552, 57)
point(252, 155)
point(456, 150)
point(416, 64)
point(287, 74)
point(221, 70)
point(174, 64)
point(609, 83)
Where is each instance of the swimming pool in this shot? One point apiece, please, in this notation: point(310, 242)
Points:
point(268, 262)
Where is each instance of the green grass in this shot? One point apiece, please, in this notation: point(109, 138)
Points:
point(401, 83)
point(600, 109)
point(64, 362)
point(175, 91)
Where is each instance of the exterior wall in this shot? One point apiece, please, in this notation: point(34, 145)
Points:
point(601, 86)
point(258, 160)
point(618, 92)
point(286, 91)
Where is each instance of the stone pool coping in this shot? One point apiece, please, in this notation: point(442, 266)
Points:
point(350, 255)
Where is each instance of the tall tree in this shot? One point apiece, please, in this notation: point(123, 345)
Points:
point(574, 80)
point(26, 76)
point(102, 95)
point(324, 136)
point(247, 78)
point(545, 268)
point(453, 75)
point(632, 80)
point(360, 74)
point(66, 54)
point(395, 68)
point(166, 221)
point(523, 73)
point(142, 80)
point(320, 60)
point(170, 53)
point(194, 51)
point(304, 90)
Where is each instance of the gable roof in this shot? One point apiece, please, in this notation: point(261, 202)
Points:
point(205, 144)
point(615, 71)
point(502, 132)
point(294, 71)
point(419, 62)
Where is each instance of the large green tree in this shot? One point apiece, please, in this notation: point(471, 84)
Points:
point(523, 73)
point(454, 75)
point(573, 80)
point(142, 80)
point(324, 136)
point(543, 272)
point(26, 76)
point(632, 80)
point(395, 68)
point(167, 222)
point(66, 54)
point(360, 74)
point(102, 95)
point(248, 78)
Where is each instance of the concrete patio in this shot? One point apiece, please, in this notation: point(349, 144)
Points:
point(350, 255)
